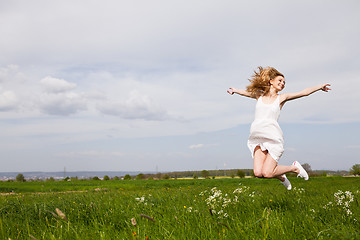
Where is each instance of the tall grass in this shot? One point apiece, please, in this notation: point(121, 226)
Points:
point(182, 209)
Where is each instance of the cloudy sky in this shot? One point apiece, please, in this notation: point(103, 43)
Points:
point(141, 85)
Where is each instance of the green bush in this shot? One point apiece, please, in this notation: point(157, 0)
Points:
point(140, 176)
point(355, 169)
point(240, 173)
point(127, 177)
point(20, 178)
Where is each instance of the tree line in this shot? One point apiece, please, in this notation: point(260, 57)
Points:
point(241, 173)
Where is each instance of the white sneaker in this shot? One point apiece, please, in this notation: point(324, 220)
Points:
point(302, 173)
point(286, 183)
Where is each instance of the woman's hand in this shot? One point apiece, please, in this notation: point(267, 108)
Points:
point(240, 92)
point(325, 87)
point(231, 91)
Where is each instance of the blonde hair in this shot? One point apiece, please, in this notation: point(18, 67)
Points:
point(260, 81)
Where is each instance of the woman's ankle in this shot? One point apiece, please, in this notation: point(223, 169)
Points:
point(295, 169)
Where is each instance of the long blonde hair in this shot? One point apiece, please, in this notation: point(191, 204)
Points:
point(260, 81)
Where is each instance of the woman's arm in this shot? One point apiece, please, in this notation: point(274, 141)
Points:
point(240, 92)
point(306, 92)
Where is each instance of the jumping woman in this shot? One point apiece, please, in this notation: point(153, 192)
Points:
point(266, 141)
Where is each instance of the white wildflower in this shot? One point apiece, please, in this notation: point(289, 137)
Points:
point(348, 212)
point(342, 199)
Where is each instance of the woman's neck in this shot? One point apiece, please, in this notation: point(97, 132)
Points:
point(271, 93)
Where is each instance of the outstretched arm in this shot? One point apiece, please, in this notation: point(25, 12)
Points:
point(240, 92)
point(305, 92)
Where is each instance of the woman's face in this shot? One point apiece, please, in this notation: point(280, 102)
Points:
point(278, 83)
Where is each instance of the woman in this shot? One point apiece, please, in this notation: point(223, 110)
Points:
point(266, 141)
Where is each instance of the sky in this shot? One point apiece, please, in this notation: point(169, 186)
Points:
point(141, 85)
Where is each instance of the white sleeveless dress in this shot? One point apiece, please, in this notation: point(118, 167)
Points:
point(265, 130)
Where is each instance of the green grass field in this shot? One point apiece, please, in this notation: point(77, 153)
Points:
point(321, 208)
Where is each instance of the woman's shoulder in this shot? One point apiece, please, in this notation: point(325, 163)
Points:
point(282, 98)
point(258, 96)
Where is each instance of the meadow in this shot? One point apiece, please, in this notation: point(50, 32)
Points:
point(234, 208)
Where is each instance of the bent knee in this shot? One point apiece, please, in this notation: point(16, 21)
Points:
point(258, 174)
point(267, 174)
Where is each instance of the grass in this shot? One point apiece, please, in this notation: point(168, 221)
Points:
point(182, 209)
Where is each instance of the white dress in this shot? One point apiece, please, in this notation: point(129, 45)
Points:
point(265, 130)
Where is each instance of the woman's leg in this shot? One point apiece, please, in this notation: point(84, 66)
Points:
point(259, 159)
point(270, 169)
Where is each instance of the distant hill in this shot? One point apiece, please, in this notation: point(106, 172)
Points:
point(80, 174)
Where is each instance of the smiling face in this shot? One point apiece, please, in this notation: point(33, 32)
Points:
point(278, 83)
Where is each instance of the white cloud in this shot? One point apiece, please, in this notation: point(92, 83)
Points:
point(137, 106)
point(196, 146)
point(62, 104)
point(201, 145)
point(6, 71)
point(11, 74)
point(55, 85)
point(59, 97)
point(96, 95)
point(8, 101)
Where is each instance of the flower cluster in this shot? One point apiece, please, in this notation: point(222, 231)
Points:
point(298, 190)
point(143, 200)
point(343, 200)
point(242, 190)
point(217, 201)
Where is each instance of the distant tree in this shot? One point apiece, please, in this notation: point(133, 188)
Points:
point(307, 167)
point(66, 179)
point(20, 178)
point(96, 178)
point(205, 174)
point(150, 178)
point(140, 176)
point(166, 176)
point(127, 177)
point(195, 176)
point(50, 179)
point(106, 178)
point(355, 169)
point(232, 175)
point(240, 173)
point(116, 178)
